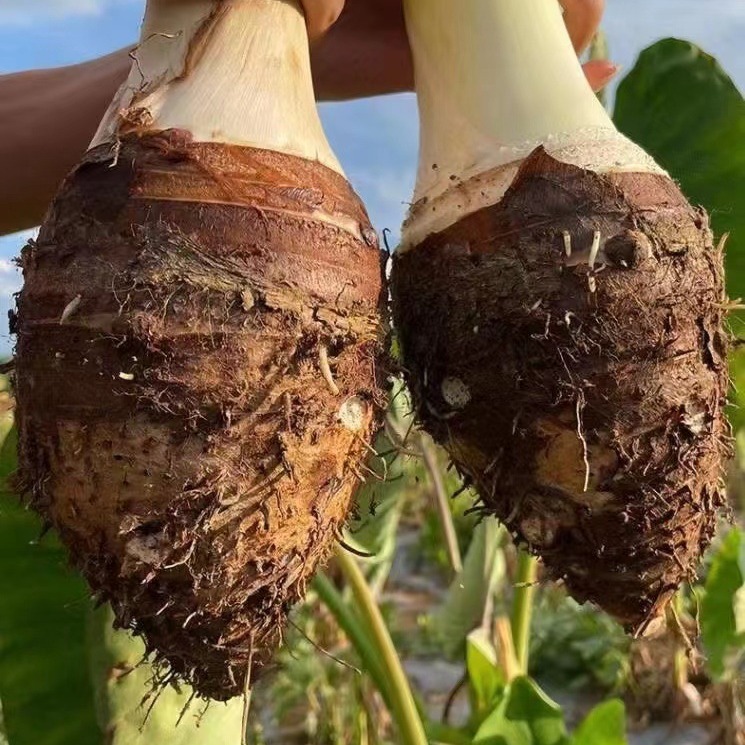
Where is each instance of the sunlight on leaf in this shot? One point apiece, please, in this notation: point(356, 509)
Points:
point(483, 573)
point(124, 692)
point(525, 716)
point(486, 679)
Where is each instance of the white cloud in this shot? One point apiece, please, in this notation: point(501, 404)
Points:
point(24, 12)
point(21, 237)
point(10, 278)
point(10, 274)
point(10, 282)
point(11, 244)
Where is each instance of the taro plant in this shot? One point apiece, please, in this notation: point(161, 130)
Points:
point(226, 353)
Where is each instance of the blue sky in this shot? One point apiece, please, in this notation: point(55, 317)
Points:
point(375, 139)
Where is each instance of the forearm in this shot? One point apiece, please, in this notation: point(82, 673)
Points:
point(47, 118)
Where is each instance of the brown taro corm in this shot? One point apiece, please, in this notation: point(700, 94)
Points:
point(198, 371)
point(582, 395)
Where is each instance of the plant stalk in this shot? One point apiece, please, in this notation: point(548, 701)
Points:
point(599, 51)
point(404, 708)
point(231, 72)
point(682, 642)
point(522, 610)
point(506, 649)
point(472, 63)
point(355, 632)
point(442, 504)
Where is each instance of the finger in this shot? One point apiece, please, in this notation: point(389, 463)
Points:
point(599, 73)
point(320, 15)
point(582, 18)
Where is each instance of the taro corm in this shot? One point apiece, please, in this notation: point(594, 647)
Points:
point(199, 339)
point(560, 310)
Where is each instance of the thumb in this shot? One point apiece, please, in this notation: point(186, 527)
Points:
point(599, 73)
point(320, 15)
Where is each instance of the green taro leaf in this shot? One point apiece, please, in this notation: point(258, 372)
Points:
point(524, 716)
point(45, 690)
point(124, 694)
point(723, 606)
point(485, 677)
point(442, 734)
point(471, 591)
point(604, 725)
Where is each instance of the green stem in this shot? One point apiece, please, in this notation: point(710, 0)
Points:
point(599, 51)
point(442, 504)
point(355, 632)
point(682, 642)
point(527, 568)
point(404, 709)
point(506, 650)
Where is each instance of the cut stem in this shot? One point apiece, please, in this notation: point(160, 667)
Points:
point(230, 71)
point(522, 610)
point(404, 708)
point(504, 76)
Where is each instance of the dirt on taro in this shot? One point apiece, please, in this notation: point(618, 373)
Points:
point(200, 370)
point(567, 347)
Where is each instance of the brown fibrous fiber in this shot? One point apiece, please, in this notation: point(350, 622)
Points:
point(581, 392)
point(183, 308)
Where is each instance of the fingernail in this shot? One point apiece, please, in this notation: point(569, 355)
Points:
point(613, 69)
point(602, 72)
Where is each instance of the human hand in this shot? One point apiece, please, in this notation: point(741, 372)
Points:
point(320, 15)
point(360, 48)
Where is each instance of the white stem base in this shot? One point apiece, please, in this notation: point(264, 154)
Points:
point(229, 71)
point(495, 79)
point(598, 149)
